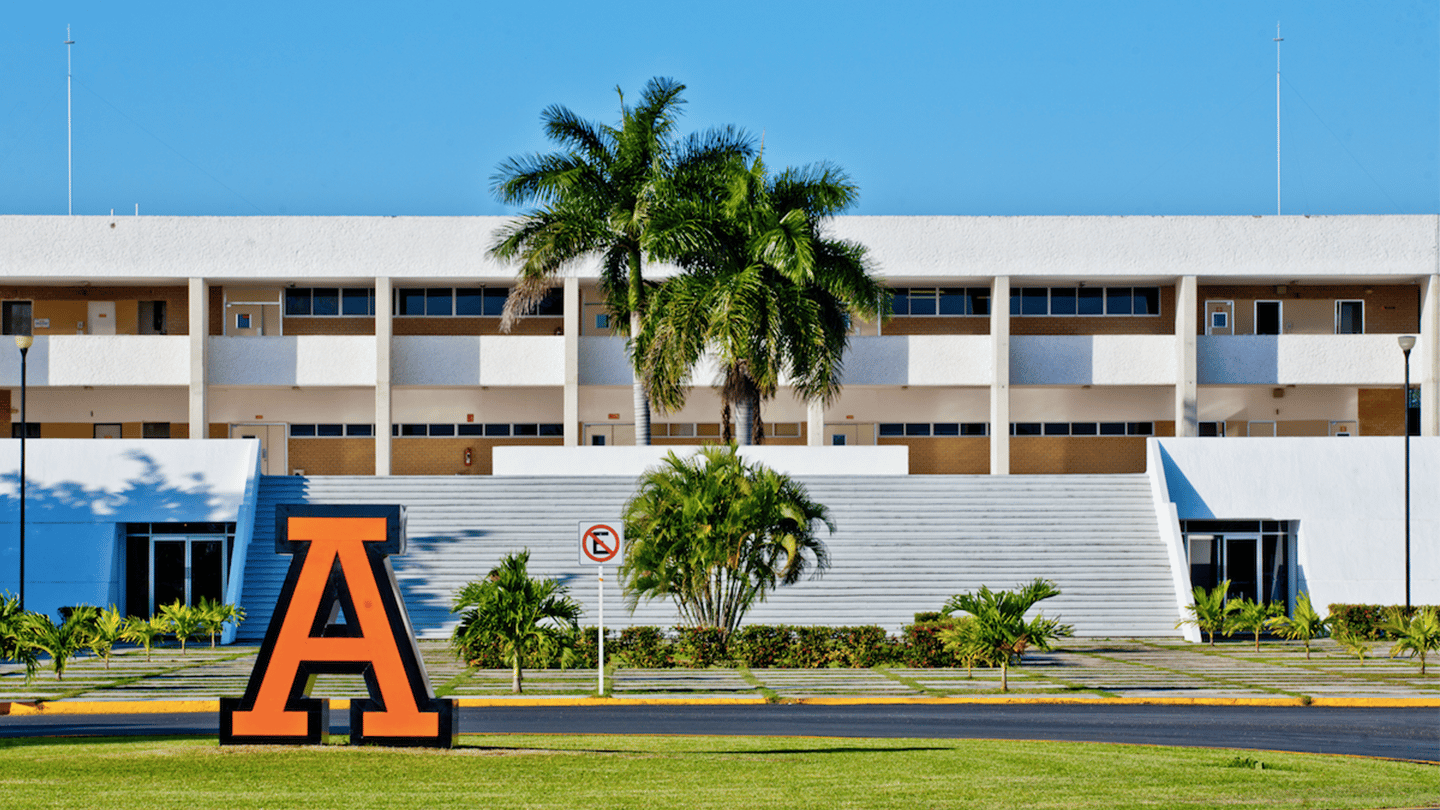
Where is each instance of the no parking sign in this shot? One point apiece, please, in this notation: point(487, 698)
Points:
point(600, 541)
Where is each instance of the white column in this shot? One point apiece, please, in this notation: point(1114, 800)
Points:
point(1187, 420)
point(571, 395)
point(383, 333)
point(814, 424)
point(1000, 376)
point(199, 300)
point(1427, 372)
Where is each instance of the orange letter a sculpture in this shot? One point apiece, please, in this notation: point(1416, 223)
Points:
point(340, 562)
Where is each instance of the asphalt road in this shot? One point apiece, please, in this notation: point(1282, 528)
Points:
point(1405, 733)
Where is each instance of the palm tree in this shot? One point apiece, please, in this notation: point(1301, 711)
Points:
point(1253, 617)
point(998, 632)
point(1210, 611)
point(1417, 635)
point(715, 535)
point(525, 616)
point(1305, 625)
point(770, 294)
point(618, 193)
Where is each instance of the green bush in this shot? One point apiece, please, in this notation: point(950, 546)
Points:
point(701, 647)
point(922, 646)
point(865, 646)
point(1364, 621)
point(762, 645)
point(587, 647)
point(644, 648)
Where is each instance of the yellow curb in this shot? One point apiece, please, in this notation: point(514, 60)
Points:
point(491, 703)
point(1047, 699)
point(1395, 703)
point(110, 707)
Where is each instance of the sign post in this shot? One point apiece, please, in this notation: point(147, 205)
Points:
point(600, 543)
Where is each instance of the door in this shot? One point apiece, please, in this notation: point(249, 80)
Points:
point(1349, 317)
point(187, 568)
point(1267, 317)
point(1219, 317)
point(100, 315)
point(272, 438)
point(245, 320)
point(107, 431)
point(607, 434)
point(1241, 562)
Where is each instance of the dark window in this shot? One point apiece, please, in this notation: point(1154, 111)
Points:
point(497, 430)
point(155, 430)
point(552, 304)
point(1084, 429)
point(1119, 301)
point(892, 429)
point(394, 430)
point(1141, 428)
point(947, 429)
point(1349, 317)
point(527, 430)
point(917, 429)
point(297, 301)
point(302, 430)
point(900, 301)
point(329, 430)
point(470, 301)
point(1112, 428)
point(325, 301)
point(1211, 429)
point(358, 301)
point(32, 430)
point(922, 302)
point(442, 430)
point(16, 316)
point(1062, 301)
point(1147, 300)
point(1027, 429)
point(471, 429)
point(359, 430)
point(495, 300)
point(973, 429)
point(1035, 301)
point(411, 302)
point(1267, 317)
point(438, 301)
point(413, 430)
point(979, 303)
point(1057, 428)
point(1090, 301)
point(552, 430)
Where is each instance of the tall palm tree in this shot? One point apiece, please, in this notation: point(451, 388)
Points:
point(770, 294)
point(614, 192)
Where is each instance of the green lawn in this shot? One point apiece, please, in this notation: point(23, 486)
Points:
point(693, 773)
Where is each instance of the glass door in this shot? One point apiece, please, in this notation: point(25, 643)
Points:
point(187, 568)
point(1242, 566)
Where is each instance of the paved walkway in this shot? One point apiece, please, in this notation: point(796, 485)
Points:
point(1081, 670)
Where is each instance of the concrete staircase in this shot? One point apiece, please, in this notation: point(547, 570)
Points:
point(903, 544)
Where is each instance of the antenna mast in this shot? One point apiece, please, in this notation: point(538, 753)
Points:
point(69, 129)
point(1278, 40)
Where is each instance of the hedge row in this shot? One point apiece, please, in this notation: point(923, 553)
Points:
point(756, 645)
point(1365, 620)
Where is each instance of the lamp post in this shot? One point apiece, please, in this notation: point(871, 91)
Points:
point(23, 343)
point(1407, 342)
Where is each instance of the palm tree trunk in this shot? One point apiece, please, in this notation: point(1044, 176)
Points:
point(637, 322)
point(1004, 676)
point(516, 677)
point(744, 421)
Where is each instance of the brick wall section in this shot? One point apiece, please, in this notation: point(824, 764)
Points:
point(1055, 455)
point(938, 325)
point(538, 325)
point(1382, 412)
point(944, 455)
point(348, 456)
point(177, 313)
point(1393, 309)
point(329, 326)
point(217, 311)
point(447, 456)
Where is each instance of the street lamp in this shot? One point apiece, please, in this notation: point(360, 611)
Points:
point(23, 343)
point(1407, 342)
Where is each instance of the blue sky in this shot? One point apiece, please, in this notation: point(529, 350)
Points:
point(321, 108)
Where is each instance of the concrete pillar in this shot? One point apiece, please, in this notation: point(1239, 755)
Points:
point(383, 332)
point(199, 300)
point(1000, 376)
point(814, 424)
point(1187, 420)
point(1427, 351)
point(571, 395)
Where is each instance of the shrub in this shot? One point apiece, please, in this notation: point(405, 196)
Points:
point(701, 646)
point(864, 646)
point(1305, 625)
point(106, 628)
point(61, 641)
point(184, 621)
point(922, 646)
point(1417, 634)
point(587, 648)
point(1365, 621)
point(644, 648)
point(762, 645)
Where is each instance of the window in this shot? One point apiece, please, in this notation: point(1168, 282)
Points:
point(1349, 317)
point(602, 321)
point(242, 320)
point(16, 317)
point(326, 302)
point(947, 301)
point(155, 430)
point(1212, 429)
point(32, 430)
point(1219, 320)
point(468, 302)
point(1038, 301)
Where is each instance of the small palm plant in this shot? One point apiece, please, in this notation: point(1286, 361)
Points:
point(1211, 612)
point(998, 633)
point(1354, 643)
point(1416, 635)
point(145, 631)
point(184, 620)
point(214, 615)
point(15, 635)
point(62, 641)
point(1305, 625)
point(107, 627)
point(525, 616)
point(1253, 616)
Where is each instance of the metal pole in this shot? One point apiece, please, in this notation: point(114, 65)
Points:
point(600, 662)
point(1407, 479)
point(24, 429)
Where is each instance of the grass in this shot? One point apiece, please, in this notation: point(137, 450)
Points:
point(693, 773)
